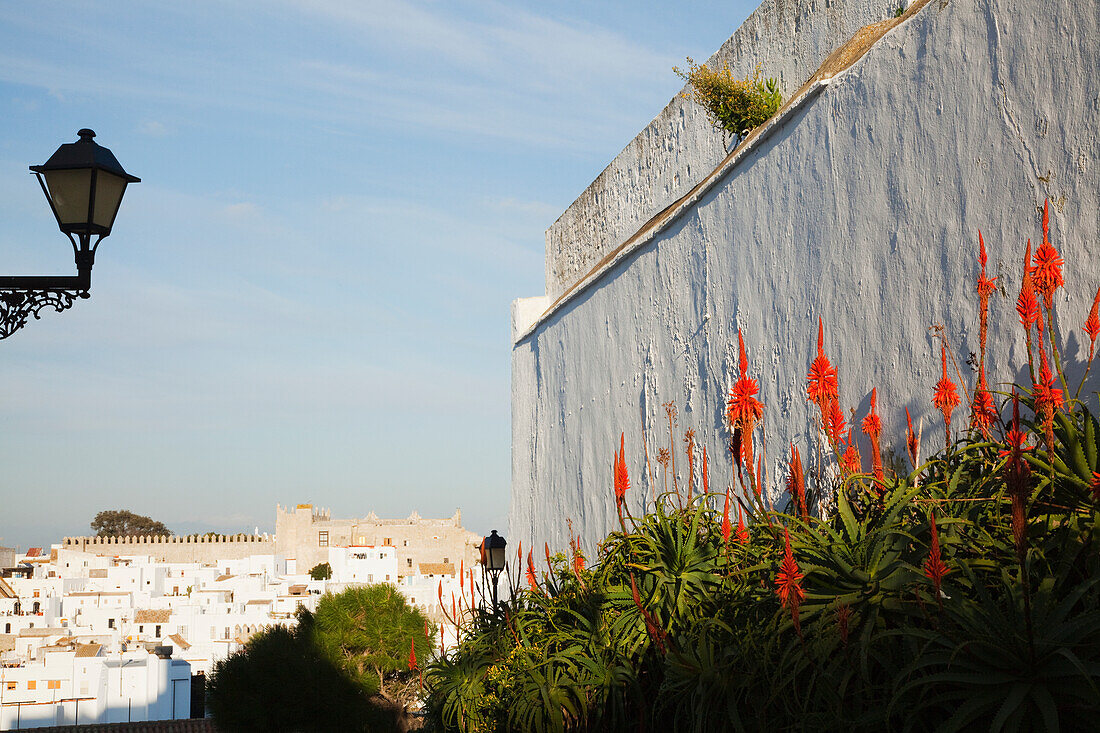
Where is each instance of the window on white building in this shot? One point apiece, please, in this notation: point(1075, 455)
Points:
point(322, 538)
point(110, 623)
point(158, 631)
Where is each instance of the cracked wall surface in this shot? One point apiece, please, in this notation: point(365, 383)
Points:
point(788, 38)
point(862, 208)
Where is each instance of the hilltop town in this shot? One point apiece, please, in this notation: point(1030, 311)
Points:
point(115, 629)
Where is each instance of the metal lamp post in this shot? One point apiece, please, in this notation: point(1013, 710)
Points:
point(84, 184)
point(493, 558)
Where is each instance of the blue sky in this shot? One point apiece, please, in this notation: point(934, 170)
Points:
point(306, 299)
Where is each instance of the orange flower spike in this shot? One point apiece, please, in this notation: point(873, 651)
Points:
point(834, 424)
point(726, 518)
point(1047, 271)
point(412, 655)
point(872, 425)
point(796, 483)
point(788, 582)
point(946, 397)
point(706, 481)
point(1027, 305)
point(850, 462)
point(442, 649)
point(549, 565)
point(1095, 486)
point(822, 385)
point(934, 567)
point(532, 581)
point(986, 288)
point(742, 532)
point(578, 558)
point(1092, 324)
point(1047, 398)
point(983, 413)
point(742, 407)
point(912, 440)
point(472, 596)
point(622, 478)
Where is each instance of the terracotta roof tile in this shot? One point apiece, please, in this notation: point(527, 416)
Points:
point(88, 650)
point(152, 615)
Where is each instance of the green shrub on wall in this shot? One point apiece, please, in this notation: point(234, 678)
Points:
point(734, 105)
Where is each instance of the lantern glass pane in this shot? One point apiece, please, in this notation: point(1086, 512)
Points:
point(69, 190)
point(496, 558)
point(108, 195)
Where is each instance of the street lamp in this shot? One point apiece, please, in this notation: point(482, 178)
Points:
point(493, 559)
point(83, 183)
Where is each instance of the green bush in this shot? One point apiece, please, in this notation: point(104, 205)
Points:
point(957, 593)
point(734, 105)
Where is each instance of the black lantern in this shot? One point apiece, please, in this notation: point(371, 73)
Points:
point(84, 184)
point(493, 558)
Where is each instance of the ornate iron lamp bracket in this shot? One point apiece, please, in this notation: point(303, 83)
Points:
point(17, 305)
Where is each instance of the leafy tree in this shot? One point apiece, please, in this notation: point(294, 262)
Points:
point(322, 571)
point(281, 682)
point(122, 523)
point(367, 632)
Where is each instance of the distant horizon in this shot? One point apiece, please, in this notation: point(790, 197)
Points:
point(191, 528)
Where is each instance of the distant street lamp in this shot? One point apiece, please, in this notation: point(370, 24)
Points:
point(84, 184)
point(493, 559)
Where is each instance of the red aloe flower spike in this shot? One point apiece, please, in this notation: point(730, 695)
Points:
point(1092, 328)
point(742, 407)
point(788, 582)
point(742, 533)
point(442, 649)
point(872, 425)
point(473, 597)
point(549, 565)
point(843, 614)
point(656, 633)
point(1095, 486)
point(532, 581)
point(912, 439)
point(706, 480)
point(1027, 305)
point(1048, 264)
point(796, 483)
point(1092, 324)
point(412, 655)
point(822, 385)
point(834, 422)
point(726, 518)
point(851, 462)
point(946, 397)
point(1017, 473)
point(934, 566)
point(983, 413)
point(1047, 398)
point(985, 289)
point(622, 479)
point(578, 557)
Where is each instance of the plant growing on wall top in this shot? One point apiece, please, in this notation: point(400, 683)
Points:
point(734, 105)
